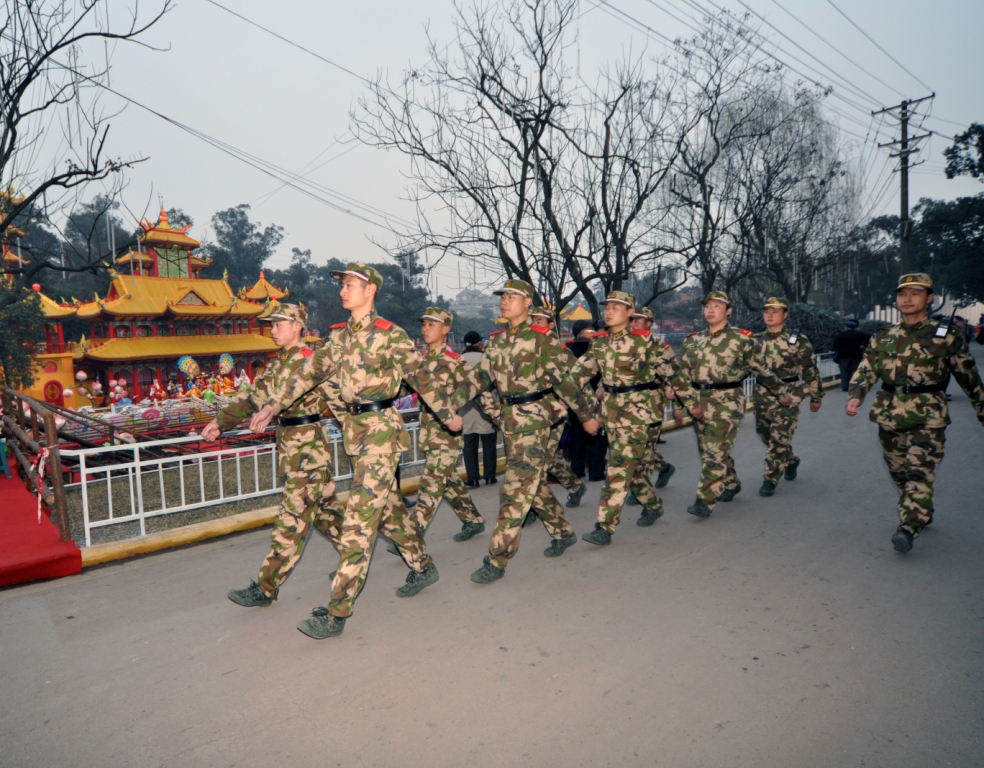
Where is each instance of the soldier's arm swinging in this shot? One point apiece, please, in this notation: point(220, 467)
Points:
point(438, 401)
point(964, 370)
point(863, 380)
point(281, 394)
point(243, 405)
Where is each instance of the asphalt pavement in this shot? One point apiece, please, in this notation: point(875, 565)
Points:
point(778, 632)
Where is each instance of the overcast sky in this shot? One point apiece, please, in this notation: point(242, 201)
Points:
point(245, 87)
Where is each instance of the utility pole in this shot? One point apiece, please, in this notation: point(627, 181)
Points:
point(905, 112)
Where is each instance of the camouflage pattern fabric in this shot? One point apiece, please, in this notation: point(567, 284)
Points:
point(558, 466)
point(520, 361)
point(727, 355)
point(911, 426)
point(786, 354)
point(442, 481)
point(652, 461)
point(524, 487)
point(633, 419)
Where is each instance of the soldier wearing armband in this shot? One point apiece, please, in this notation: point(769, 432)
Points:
point(913, 362)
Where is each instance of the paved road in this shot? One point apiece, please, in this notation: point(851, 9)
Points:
point(779, 632)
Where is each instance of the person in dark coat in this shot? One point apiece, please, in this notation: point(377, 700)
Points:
point(585, 449)
point(849, 346)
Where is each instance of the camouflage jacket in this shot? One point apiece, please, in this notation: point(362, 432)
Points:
point(727, 355)
point(521, 361)
point(369, 360)
point(905, 355)
point(788, 354)
point(282, 368)
point(445, 370)
point(630, 358)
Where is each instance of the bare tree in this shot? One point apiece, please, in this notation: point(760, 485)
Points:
point(53, 138)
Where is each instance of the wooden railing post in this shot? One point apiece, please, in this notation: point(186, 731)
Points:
point(55, 471)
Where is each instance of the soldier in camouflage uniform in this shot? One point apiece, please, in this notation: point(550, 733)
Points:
point(716, 362)
point(369, 357)
point(303, 455)
point(642, 320)
point(526, 364)
point(545, 316)
point(913, 361)
point(634, 370)
point(789, 355)
point(445, 369)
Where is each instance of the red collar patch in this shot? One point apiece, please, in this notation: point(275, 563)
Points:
point(539, 329)
point(452, 355)
point(307, 351)
point(600, 335)
point(692, 334)
point(496, 333)
point(338, 325)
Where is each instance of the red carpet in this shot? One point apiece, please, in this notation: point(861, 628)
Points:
point(29, 551)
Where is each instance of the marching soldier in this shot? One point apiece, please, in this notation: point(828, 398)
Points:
point(527, 365)
point(369, 357)
point(642, 320)
point(303, 455)
point(634, 372)
point(789, 355)
point(717, 361)
point(544, 316)
point(913, 361)
point(444, 370)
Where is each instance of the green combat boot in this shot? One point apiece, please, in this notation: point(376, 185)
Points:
point(664, 475)
point(487, 573)
point(574, 498)
point(729, 493)
point(650, 516)
point(902, 540)
point(768, 488)
point(321, 624)
point(790, 473)
point(530, 518)
point(598, 536)
point(468, 530)
point(392, 549)
point(417, 581)
point(631, 501)
point(559, 546)
point(700, 509)
point(251, 597)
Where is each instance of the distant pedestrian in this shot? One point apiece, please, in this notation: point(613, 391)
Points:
point(479, 426)
point(588, 452)
point(848, 348)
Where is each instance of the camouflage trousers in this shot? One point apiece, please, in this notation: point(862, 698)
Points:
point(776, 424)
point(912, 456)
point(308, 500)
point(375, 505)
point(716, 433)
point(525, 487)
point(630, 447)
point(441, 481)
point(558, 466)
point(652, 461)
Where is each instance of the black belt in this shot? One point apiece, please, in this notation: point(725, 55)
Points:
point(630, 388)
point(524, 399)
point(915, 389)
point(790, 379)
point(698, 385)
point(297, 421)
point(355, 409)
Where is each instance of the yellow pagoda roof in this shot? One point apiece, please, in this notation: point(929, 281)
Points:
point(263, 290)
point(141, 296)
point(134, 256)
point(153, 347)
point(53, 310)
point(578, 313)
point(162, 233)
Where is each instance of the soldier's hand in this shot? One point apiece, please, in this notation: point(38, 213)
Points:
point(261, 419)
point(785, 401)
point(670, 394)
point(815, 406)
point(678, 416)
point(697, 412)
point(591, 426)
point(852, 407)
point(456, 424)
point(211, 432)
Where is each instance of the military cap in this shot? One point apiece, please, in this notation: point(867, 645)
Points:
point(361, 271)
point(438, 314)
point(776, 302)
point(621, 297)
point(546, 311)
point(915, 280)
point(520, 287)
point(645, 312)
point(851, 323)
point(287, 312)
point(717, 296)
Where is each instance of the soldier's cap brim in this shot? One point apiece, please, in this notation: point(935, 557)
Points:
point(771, 305)
point(440, 320)
point(510, 290)
point(726, 303)
point(275, 317)
point(339, 274)
point(619, 301)
point(639, 314)
point(924, 286)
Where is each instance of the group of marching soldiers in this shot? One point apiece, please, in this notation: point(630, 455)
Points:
point(528, 383)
